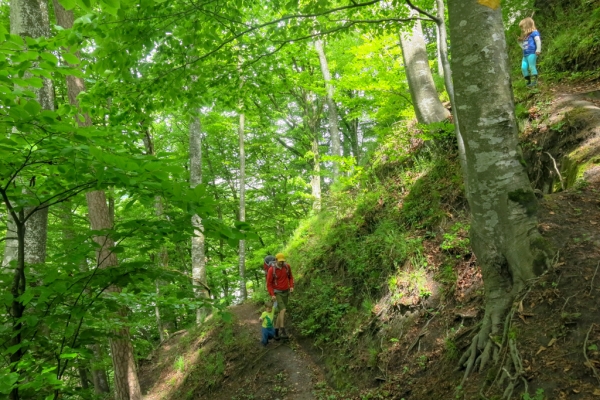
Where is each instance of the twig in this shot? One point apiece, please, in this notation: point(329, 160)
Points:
point(587, 360)
point(566, 301)
point(562, 184)
point(593, 277)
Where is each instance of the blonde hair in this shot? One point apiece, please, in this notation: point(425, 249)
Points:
point(268, 304)
point(527, 26)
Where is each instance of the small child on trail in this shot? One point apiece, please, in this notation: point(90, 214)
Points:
point(531, 43)
point(268, 330)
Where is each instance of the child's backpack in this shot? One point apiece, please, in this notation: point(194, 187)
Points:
point(269, 262)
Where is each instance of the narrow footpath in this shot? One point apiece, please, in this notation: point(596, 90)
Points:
point(282, 370)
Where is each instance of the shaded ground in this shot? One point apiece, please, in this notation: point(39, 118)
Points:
point(282, 370)
point(225, 360)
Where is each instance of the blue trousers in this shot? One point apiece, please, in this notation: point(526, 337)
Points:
point(528, 65)
point(267, 333)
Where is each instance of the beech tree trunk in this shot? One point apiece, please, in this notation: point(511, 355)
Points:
point(427, 105)
point(331, 108)
point(503, 207)
point(199, 279)
point(127, 386)
point(29, 18)
point(242, 216)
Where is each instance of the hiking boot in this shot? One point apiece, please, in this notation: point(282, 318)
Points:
point(284, 334)
point(277, 337)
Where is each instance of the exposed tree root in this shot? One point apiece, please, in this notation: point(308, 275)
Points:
point(487, 345)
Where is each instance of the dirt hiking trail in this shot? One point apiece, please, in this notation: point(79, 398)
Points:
point(226, 361)
point(281, 370)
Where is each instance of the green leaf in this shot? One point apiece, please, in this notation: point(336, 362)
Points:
point(7, 381)
point(51, 58)
point(68, 4)
point(26, 297)
point(69, 356)
point(14, 349)
point(71, 58)
point(32, 107)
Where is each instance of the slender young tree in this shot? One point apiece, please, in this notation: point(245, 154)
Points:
point(503, 207)
point(242, 213)
point(163, 256)
point(440, 58)
point(331, 107)
point(199, 279)
point(427, 105)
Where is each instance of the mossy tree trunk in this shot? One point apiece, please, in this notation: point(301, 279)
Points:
point(504, 231)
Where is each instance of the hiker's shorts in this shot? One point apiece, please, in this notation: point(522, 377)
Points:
point(282, 299)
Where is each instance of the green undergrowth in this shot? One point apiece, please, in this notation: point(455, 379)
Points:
point(368, 250)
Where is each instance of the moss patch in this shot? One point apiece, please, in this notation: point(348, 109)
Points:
point(526, 199)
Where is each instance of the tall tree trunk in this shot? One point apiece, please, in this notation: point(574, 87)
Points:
point(503, 207)
point(440, 62)
point(242, 215)
point(443, 56)
point(315, 181)
point(427, 105)
point(163, 256)
point(99, 376)
point(29, 18)
point(199, 279)
point(331, 107)
point(127, 386)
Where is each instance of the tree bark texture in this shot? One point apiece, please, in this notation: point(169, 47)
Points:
point(29, 18)
point(11, 248)
point(127, 386)
point(242, 215)
point(443, 56)
point(427, 105)
point(199, 279)
point(440, 63)
point(331, 107)
point(503, 207)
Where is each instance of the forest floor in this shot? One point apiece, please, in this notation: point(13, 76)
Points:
point(281, 370)
point(556, 325)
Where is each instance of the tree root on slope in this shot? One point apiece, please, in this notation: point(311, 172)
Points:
point(488, 346)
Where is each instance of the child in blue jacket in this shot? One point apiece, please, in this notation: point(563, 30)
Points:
point(531, 43)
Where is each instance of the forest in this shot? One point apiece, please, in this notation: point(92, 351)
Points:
point(438, 210)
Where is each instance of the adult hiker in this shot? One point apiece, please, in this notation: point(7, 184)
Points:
point(280, 282)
